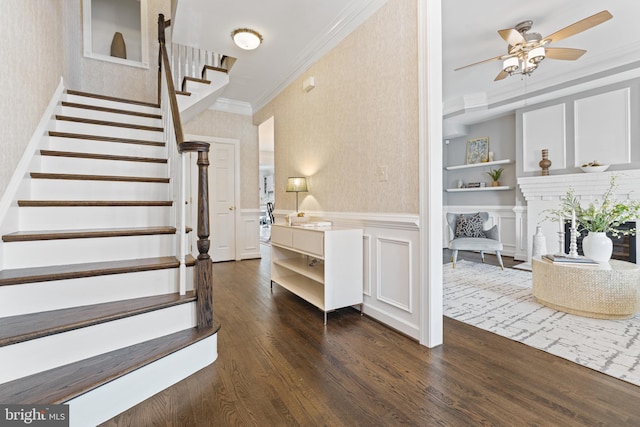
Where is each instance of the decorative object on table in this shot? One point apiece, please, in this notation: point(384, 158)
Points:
point(491, 156)
point(573, 243)
point(473, 185)
point(495, 176)
point(297, 184)
point(545, 163)
point(560, 235)
point(600, 217)
point(478, 150)
point(460, 183)
point(539, 243)
point(594, 166)
point(568, 260)
point(118, 47)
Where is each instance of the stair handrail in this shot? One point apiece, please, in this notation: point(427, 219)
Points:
point(203, 269)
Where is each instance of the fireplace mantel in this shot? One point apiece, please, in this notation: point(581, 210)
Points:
point(546, 192)
point(586, 185)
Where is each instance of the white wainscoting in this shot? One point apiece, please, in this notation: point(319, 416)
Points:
point(248, 238)
point(391, 276)
point(504, 216)
point(544, 128)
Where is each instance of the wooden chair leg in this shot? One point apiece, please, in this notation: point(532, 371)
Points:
point(500, 259)
point(482, 256)
point(454, 258)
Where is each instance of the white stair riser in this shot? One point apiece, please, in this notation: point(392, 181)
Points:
point(111, 131)
point(218, 79)
point(42, 253)
point(79, 217)
point(26, 358)
point(111, 104)
point(197, 87)
point(107, 116)
point(103, 147)
point(75, 165)
point(60, 294)
point(69, 189)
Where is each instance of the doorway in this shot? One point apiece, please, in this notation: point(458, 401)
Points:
point(267, 178)
point(224, 197)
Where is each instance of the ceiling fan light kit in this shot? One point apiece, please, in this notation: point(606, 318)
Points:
point(527, 49)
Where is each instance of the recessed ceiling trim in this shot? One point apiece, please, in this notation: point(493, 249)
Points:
point(354, 14)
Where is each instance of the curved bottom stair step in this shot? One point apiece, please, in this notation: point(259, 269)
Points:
point(62, 384)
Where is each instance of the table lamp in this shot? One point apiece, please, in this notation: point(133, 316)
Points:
point(296, 184)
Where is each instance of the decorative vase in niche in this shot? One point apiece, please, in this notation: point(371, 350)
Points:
point(118, 48)
point(545, 163)
point(539, 243)
point(597, 246)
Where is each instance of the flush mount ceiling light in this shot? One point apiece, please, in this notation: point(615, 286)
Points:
point(246, 38)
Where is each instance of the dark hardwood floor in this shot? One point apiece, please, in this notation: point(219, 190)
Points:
point(278, 365)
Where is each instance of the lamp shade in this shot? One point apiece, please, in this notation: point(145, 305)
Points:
point(296, 184)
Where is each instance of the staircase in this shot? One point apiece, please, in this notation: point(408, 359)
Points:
point(92, 313)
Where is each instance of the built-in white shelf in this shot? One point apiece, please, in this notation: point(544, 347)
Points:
point(475, 165)
point(460, 190)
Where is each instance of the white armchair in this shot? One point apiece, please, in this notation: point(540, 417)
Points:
point(468, 234)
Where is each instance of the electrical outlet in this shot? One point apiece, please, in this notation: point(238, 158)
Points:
point(383, 173)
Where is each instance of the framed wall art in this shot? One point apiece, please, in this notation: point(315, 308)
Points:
point(478, 150)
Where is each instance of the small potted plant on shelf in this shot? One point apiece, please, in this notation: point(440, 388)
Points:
point(495, 176)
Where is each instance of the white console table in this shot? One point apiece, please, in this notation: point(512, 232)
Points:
point(322, 265)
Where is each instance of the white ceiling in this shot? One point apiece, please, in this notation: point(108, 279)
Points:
point(298, 32)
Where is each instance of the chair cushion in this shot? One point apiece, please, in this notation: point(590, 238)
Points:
point(475, 244)
point(470, 225)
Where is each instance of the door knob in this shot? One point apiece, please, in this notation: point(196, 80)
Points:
point(231, 208)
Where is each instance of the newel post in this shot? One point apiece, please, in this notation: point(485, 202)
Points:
point(204, 267)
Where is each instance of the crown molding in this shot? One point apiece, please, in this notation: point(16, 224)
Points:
point(232, 106)
point(354, 14)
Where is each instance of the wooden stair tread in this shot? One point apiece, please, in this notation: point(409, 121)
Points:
point(25, 327)
point(110, 110)
point(28, 236)
point(82, 177)
point(182, 92)
point(211, 67)
point(61, 384)
point(76, 154)
point(112, 98)
point(74, 271)
point(92, 203)
point(108, 123)
point(106, 138)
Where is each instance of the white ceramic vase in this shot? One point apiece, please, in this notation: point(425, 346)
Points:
point(539, 243)
point(597, 246)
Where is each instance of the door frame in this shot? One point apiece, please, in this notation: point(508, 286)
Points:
point(236, 190)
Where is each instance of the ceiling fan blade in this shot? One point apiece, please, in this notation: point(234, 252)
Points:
point(511, 36)
point(501, 75)
point(564, 53)
point(495, 58)
point(580, 26)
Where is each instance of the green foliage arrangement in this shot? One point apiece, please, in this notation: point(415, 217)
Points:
point(495, 173)
point(602, 215)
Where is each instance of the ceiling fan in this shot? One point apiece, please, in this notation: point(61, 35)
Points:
point(526, 50)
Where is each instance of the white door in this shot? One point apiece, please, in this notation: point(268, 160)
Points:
point(223, 203)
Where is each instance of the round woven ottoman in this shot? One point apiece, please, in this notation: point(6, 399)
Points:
point(609, 291)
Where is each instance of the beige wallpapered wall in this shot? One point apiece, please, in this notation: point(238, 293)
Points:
point(362, 114)
point(237, 126)
point(31, 71)
point(108, 78)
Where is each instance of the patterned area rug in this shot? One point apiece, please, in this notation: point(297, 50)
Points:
point(501, 302)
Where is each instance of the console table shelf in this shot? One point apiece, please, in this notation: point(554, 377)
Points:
point(460, 190)
point(320, 265)
point(476, 165)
